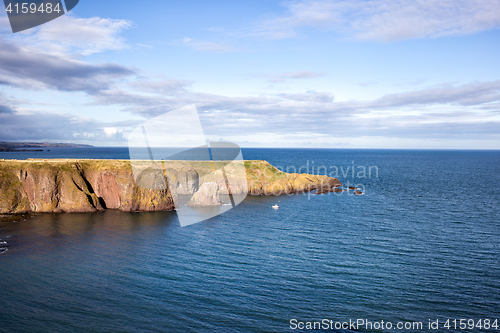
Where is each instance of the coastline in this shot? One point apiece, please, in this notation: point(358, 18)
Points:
point(21, 146)
point(90, 185)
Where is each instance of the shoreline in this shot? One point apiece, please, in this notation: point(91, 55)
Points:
point(90, 185)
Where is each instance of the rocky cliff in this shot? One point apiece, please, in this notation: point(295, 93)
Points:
point(259, 178)
point(94, 185)
point(75, 186)
point(207, 195)
point(265, 179)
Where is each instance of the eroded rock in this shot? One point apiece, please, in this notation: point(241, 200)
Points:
point(207, 195)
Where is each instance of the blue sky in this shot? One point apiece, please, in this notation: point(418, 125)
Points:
point(348, 74)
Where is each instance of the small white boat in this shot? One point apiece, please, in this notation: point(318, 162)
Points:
point(276, 206)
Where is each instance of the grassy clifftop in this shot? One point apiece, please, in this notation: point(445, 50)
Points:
point(265, 179)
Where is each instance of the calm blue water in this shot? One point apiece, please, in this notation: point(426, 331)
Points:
point(422, 243)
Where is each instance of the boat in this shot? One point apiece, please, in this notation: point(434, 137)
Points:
point(276, 206)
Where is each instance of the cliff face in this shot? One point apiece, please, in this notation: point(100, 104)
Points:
point(207, 195)
point(259, 178)
point(83, 186)
point(93, 185)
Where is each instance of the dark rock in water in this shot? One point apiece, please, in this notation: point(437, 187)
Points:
point(12, 218)
point(353, 188)
point(207, 195)
point(358, 193)
point(325, 190)
point(333, 182)
point(3, 246)
point(322, 191)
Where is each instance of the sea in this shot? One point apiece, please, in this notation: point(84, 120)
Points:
point(419, 251)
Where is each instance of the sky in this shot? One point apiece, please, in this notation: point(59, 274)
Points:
point(306, 73)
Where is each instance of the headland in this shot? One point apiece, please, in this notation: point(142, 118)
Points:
point(86, 185)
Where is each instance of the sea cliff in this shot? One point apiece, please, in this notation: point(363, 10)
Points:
point(48, 186)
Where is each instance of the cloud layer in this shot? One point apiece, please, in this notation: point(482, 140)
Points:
point(445, 111)
point(82, 36)
point(28, 68)
point(209, 46)
point(47, 126)
point(386, 20)
point(284, 77)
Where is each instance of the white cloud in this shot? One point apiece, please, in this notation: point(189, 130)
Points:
point(80, 35)
point(468, 94)
point(165, 87)
point(208, 46)
point(309, 97)
point(303, 74)
point(4, 24)
point(71, 34)
point(386, 20)
point(111, 131)
point(284, 77)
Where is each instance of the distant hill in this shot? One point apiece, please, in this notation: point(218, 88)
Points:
point(15, 146)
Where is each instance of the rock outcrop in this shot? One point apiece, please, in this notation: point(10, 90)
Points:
point(207, 195)
point(265, 179)
point(181, 181)
point(327, 189)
